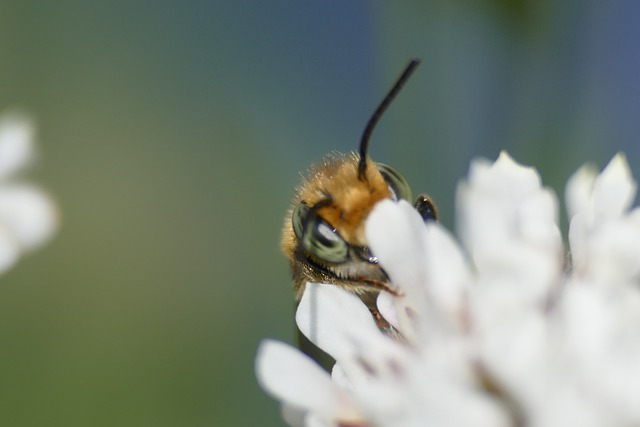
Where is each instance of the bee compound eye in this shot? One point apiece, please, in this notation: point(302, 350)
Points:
point(396, 182)
point(298, 219)
point(322, 240)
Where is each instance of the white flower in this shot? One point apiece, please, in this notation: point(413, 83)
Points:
point(28, 217)
point(502, 330)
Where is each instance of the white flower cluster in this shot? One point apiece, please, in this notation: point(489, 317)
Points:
point(504, 329)
point(28, 217)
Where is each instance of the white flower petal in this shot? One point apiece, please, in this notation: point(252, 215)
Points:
point(510, 227)
point(530, 272)
point(338, 322)
point(339, 376)
point(579, 227)
point(293, 377)
point(313, 420)
point(600, 328)
point(578, 190)
point(386, 304)
point(614, 189)
point(504, 176)
point(396, 234)
point(453, 405)
point(329, 316)
point(599, 224)
point(449, 276)
point(538, 221)
point(504, 202)
point(614, 253)
point(16, 143)
point(293, 415)
point(512, 342)
point(558, 404)
point(28, 215)
point(584, 320)
point(438, 384)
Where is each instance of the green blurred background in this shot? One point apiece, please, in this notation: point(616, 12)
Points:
point(172, 134)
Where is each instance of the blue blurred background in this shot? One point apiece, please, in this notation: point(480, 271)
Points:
point(172, 135)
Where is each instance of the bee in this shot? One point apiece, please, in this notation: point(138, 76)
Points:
point(323, 235)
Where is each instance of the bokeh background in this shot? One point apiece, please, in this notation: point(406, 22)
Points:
point(172, 134)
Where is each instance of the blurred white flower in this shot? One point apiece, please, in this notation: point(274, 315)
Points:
point(499, 331)
point(28, 217)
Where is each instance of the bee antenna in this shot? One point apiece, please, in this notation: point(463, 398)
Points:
point(366, 135)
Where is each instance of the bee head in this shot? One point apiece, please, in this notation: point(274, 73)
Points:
point(328, 220)
point(324, 232)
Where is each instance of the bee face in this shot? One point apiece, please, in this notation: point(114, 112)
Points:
point(335, 196)
point(323, 234)
point(324, 230)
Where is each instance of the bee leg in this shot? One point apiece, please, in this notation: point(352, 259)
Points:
point(377, 284)
point(426, 208)
point(382, 323)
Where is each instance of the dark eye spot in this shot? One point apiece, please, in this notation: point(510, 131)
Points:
point(426, 208)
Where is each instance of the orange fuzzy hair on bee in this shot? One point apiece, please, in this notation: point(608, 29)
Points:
point(351, 199)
